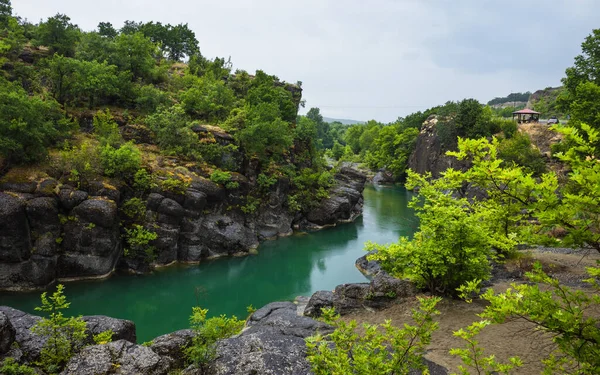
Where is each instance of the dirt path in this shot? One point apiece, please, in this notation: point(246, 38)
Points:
point(514, 338)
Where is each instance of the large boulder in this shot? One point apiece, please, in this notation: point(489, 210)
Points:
point(319, 300)
point(7, 333)
point(102, 212)
point(272, 345)
point(122, 329)
point(69, 197)
point(170, 347)
point(345, 199)
point(215, 235)
point(367, 267)
point(92, 243)
point(120, 357)
point(29, 344)
point(15, 242)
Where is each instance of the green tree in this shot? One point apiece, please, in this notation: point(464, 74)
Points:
point(64, 335)
point(173, 132)
point(265, 135)
point(207, 331)
point(208, 99)
point(380, 350)
point(5, 12)
point(30, 124)
point(59, 34)
point(106, 29)
point(135, 53)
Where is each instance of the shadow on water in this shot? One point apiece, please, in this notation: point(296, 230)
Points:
point(297, 265)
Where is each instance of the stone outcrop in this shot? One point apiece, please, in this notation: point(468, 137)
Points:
point(382, 291)
point(7, 333)
point(428, 155)
point(272, 344)
point(344, 203)
point(121, 357)
point(122, 329)
point(51, 231)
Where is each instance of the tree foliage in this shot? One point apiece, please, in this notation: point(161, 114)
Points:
point(64, 335)
point(381, 350)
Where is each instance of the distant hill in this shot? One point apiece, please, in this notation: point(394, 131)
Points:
point(544, 101)
point(343, 121)
point(511, 99)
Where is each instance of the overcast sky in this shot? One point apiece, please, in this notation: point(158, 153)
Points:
point(370, 59)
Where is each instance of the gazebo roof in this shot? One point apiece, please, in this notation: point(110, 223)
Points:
point(526, 111)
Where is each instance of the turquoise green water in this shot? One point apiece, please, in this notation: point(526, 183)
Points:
point(283, 269)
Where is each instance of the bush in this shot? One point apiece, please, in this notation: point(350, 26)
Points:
point(80, 163)
point(175, 185)
point(11, 367)
point(29, 124)
point(138, 241)
point(134, 208)
point(143, 181)
point(150, 98)
point(202, 351)
point(379, 350)
point(223, 178)
point(453, 243)
point(124, 161)
point(64, 335)
point(173, 133)
point(104, 337)
point(107, 129)
point(520, 151)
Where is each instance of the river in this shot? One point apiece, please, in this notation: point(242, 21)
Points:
point(283, 269)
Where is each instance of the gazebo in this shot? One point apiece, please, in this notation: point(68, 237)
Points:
point(526, 115)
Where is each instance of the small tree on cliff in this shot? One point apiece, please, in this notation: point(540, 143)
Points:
point(64, 335)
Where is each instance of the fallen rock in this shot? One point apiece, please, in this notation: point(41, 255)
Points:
point(7, 333)
point(122, 329)
point(120, 357)
point(368, 267)
point(29, 343)
point(272, 345)
point(170, 347)
point(319, 300)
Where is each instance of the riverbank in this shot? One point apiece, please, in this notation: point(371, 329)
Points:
point(513, 338)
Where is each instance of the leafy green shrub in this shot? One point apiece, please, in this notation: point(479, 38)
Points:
point(103, 337)
point(138, 241)
point(29, 124)
point(453, 243)
point(173, 133)
point(150, 98)
point(520, 151)
point(202, 350)
point(143, 181)
point(124, 161)
point(80, 163)
point(379, 350)
point(223, 178)
point(175, 185)
point(208, 99)
point(311, 186)
point(65, 335)
point(134, 208)
point(265, 182)
point(11, 367)
point(252, 204)
point(507, 126)
point(107, 129)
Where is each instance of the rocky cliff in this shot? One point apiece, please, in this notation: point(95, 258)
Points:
point(428, 155)
point(51, 231)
